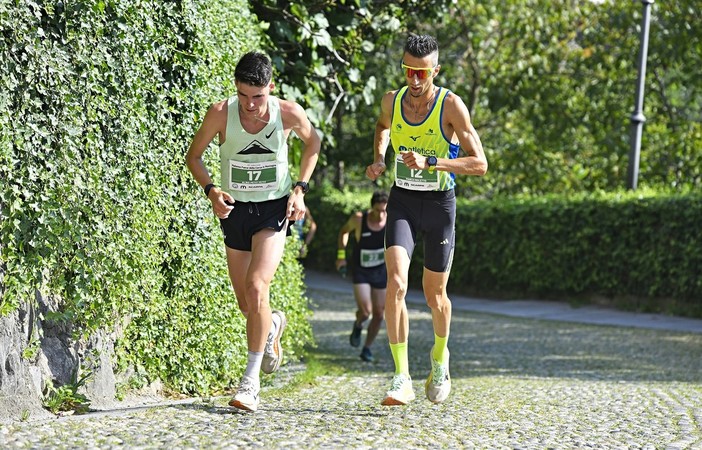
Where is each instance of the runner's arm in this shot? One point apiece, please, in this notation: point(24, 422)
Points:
point(214, 124)
point(351, 226)
point(313, 227)
point(294, 117)
point(381, 139)
point(475, 162)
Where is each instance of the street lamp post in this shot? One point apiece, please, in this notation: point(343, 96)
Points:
point(637, 117)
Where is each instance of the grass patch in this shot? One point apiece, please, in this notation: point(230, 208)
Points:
point(314, 369)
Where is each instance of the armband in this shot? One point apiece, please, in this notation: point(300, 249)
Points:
point(341, 254)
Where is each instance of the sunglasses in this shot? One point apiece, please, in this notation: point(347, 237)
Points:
point(421, 72)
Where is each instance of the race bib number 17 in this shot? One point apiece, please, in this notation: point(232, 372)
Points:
point(259, 176)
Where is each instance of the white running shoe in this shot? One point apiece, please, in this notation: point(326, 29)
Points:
point(246, 397)
point(401, 391)
point(273, 352)
point(438, 385)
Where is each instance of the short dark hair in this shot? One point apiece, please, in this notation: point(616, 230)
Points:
point(379, 197)
point(254, 68)
point(420, 46)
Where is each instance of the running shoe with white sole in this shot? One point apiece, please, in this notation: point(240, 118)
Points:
point(246, 397)
point(401, 391)
point(438, 385)
point(273, 352)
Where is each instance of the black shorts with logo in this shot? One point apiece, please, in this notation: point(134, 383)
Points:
point(433, 213)
point(248, 218)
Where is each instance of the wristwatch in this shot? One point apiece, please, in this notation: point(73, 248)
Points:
point(305, 186)
point(431, 161)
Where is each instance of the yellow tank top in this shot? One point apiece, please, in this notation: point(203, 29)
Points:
point(426, 138)
point(255, 166)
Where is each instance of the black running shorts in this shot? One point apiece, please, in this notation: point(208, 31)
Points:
point(248, 218)
point(377, 277)
point(432, 213)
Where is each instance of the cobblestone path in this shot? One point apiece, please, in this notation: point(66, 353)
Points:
point(517, 384)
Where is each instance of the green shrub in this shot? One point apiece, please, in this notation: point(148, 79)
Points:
point(331, 208)
point(638, 250)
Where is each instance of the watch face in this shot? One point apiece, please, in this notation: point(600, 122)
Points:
point(431, 160)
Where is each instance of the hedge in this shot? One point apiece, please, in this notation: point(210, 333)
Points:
point(634, 250)
point(98, 103)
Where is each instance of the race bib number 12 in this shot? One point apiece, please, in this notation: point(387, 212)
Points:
point(414, 179)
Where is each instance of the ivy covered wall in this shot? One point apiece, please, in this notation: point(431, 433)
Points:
point(98, 102)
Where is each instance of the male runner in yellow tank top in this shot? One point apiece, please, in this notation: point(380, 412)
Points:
point(429, 127)
point(255, 202)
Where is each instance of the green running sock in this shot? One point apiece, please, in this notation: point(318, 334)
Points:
point(399, 355)
point(440, 345)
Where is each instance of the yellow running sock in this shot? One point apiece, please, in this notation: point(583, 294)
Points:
point(440, 345)
point(399, 355)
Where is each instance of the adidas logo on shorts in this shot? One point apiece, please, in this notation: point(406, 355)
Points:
point(444, 242)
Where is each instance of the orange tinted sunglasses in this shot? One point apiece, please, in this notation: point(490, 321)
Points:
point(421, 72)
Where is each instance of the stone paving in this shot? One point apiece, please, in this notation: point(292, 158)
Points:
point(517, 384)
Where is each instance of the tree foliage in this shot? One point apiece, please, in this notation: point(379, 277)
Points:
point(551, 88)
point(550, 85)
point(330, 56)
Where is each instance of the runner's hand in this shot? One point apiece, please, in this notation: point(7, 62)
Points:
point(296, 207)
point(375, 170)
point(414, 160)
point(222, 202)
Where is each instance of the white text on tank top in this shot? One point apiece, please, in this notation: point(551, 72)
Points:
point(425, 138)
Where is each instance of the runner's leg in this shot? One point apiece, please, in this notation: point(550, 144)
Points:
point(267, 249)
point(434, 284)
point(362, 293)
point(238, 266)
point(396, 318)
point(378, 302)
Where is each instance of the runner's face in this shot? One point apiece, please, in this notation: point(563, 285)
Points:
point(380, 210)
point(253, 99)
point(418, 87)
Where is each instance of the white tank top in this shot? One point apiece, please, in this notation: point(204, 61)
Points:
point(255, 166)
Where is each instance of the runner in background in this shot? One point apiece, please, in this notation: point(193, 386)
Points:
point(368, 269)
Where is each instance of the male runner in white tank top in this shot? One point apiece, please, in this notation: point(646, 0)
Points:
point(255, 203)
